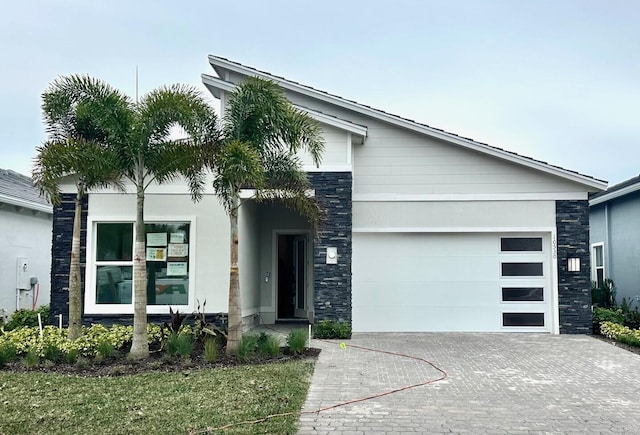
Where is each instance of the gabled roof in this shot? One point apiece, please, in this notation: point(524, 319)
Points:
point(17, 189)
point(621, 189)
point(220, 65)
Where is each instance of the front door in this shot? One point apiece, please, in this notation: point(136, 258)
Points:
point(292, 276)
point(300, 273)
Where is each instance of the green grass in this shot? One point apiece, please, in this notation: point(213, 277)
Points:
point(158, 403)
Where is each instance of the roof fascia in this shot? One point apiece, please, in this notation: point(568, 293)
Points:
point(615, 194)
point(218, 63)
point(26, 204)
point(214, 83)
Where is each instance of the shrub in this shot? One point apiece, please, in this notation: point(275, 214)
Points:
point(179, 345)
point(268, 345)
point(106, 349)
point(297, 341)
point(620, 333)
point(8, 353)
point(247, 347)
point(32, 359)
point(211, 350)
point(52, 352)
point(28, 318)
point(331, 329)
point(606, 315)
point(631, 315)
point(71, 356)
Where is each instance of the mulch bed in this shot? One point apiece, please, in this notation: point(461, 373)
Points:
point(157, 362)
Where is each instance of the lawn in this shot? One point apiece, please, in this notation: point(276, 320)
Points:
point(155, 403)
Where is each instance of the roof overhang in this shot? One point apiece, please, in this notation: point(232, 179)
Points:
point(605, 197)
point(220, 65)
point(216, 85)
point(31, 205)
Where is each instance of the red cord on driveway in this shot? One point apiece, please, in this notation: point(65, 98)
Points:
point(443, 375)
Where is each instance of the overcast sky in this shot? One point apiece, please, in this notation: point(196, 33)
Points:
point(555, 80)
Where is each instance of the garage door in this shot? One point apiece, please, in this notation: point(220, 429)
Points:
point(451, 282)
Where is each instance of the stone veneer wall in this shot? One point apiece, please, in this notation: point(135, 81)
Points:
point(574, 288)
point(63, 214)
point(332, 282)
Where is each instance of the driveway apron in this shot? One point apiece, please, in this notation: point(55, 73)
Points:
point(496, 384)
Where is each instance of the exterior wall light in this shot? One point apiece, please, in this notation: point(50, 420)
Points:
point(573, 264)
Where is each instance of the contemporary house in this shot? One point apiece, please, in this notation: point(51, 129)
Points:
point(615, 238)
point(25, 244)
point(425, 231)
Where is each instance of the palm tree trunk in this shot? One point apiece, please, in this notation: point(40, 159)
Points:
point(140, 343)
point(235, 301)
point(75, 282)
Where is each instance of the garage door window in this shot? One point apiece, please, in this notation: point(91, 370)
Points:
point(521, 244)
point(521, 269)
point(522, 294)
point(523, 319)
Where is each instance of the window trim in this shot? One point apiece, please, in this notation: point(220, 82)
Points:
point(594, 268)
point(90, 305)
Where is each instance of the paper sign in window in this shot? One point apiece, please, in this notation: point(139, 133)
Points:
point(176, 268)
point(156, 254)
point(176, 238)
point(178, 250)
point(156, 239)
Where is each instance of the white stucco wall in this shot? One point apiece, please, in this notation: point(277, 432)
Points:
point(209, 234)
point(24, 233)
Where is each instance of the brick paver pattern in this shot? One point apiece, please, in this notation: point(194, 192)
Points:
point(497, 384)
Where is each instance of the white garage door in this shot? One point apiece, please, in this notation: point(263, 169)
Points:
point(451, 282)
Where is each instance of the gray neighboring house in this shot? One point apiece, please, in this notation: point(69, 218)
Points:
point(615, 238)
point(25, 243)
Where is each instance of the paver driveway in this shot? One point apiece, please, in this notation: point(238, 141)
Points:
point(496, 384)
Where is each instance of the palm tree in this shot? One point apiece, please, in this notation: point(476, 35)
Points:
point(141, 150)
point(78, 126)
point(147, 154)
point(261, 134)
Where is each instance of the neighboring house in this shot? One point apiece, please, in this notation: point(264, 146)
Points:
point(615, 238)
point(425, 231)
point(25, 237)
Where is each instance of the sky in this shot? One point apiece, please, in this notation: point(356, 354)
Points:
point(555, 80)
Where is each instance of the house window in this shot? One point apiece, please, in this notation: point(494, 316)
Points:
point(167, 255)
point(598, 264)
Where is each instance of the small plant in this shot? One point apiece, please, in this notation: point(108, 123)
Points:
point(24, 317)
point(297, 341)
point(32, 359)
point(203, 329)
point(331, 329)
point(106, 349)
point(179, 345)
point(247, 347)
point(603, 296)
point(211, 350)
point(176, 322)
point(8, 353)
point(52, 353)
point(268, 345)
point(71, 356)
